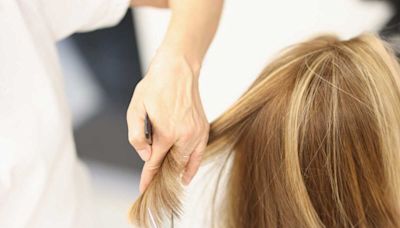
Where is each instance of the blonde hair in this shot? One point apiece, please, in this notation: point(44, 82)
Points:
point(314, 142)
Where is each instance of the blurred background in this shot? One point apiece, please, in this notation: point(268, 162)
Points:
point(101, 70)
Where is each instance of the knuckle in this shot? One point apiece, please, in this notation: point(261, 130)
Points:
point(195, 162)
point(188, 133)
point(133, 109)
point(152, 167)
point(169, 139)
point(137, 92)
point(187, 136)
point(198, 156)
point(132, 141)
point(135, 139)
point(138, 86)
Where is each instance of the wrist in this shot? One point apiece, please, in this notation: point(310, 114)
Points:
point(181, 56)
point(152, 3)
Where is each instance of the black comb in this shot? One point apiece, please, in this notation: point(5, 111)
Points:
point(148, 130)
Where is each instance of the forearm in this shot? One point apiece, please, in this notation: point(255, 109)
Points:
point(191, 29)
point(153, 3)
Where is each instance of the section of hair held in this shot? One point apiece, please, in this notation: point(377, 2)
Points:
point(161, 201)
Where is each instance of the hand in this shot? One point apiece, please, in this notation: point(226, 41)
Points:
point(169, 94)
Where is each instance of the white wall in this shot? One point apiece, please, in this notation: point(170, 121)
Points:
point(253, 31)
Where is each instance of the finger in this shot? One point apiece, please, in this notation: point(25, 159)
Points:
point(135, 118)
point(160, 148)
point(194, 162)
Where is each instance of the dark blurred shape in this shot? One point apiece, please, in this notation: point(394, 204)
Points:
point(112, 56)
point(391, 30)
point(105, 138)
point(392, 27)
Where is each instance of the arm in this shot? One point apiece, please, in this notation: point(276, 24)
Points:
point(192, 26)
point(153, 3)
point(169, 92)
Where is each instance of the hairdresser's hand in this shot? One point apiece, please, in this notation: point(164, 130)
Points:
point(169, 94)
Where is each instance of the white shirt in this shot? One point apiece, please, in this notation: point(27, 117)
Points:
point(42, 183)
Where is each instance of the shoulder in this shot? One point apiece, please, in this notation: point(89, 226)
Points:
point(198, 200)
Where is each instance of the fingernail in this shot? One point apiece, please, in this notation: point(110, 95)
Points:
point(144, 154)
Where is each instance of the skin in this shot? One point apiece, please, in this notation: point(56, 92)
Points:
point(169, 92)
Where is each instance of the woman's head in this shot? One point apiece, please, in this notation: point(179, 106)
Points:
point(314, 142)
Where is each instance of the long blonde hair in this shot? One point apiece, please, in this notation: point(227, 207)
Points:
point(314, 142)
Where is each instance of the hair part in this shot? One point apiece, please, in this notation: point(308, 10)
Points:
point(314, 142)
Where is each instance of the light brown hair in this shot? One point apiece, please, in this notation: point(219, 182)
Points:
point(314, 142)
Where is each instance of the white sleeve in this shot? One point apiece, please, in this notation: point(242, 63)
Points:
point(65, 17)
